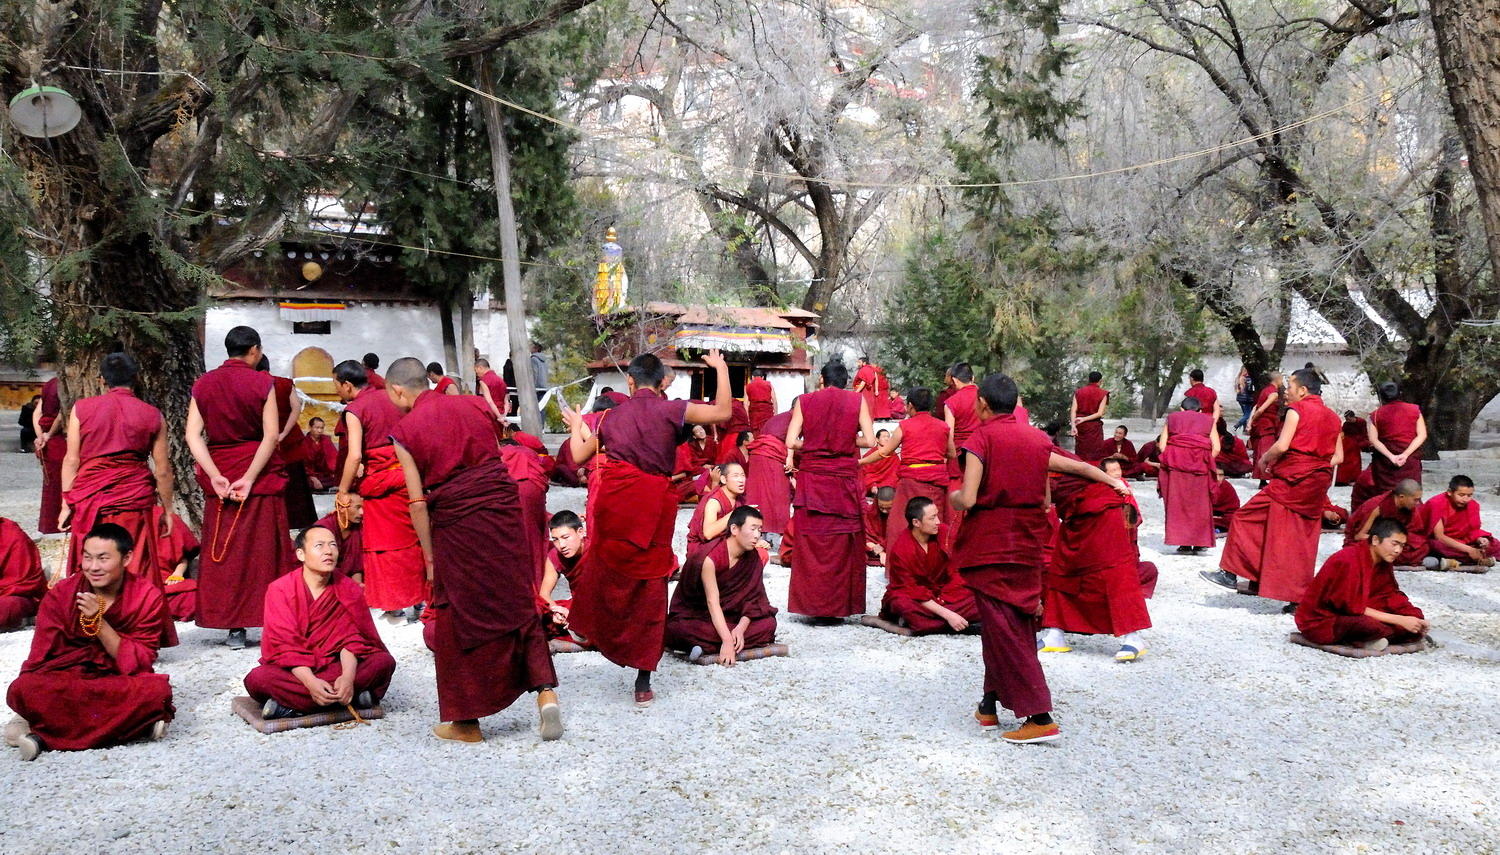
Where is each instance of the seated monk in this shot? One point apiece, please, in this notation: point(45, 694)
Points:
point(1355, 600)
point(1454, 536)
point(1226, 502)
point(878, 470)
point(1233, 458)
point(720, 603)
point(877, 521)
point(320, 457)
point(319, 648)
point(1120, 447)
point(565, 531)
point(174, 558)
point(1404, 503)
point(88, 682)
point(693, 460)
point(22, 582)
point(1148, 461)
point(1334, 517)
point(923, 593)
point(1114, 467)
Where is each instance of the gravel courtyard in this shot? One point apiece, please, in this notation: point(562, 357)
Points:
point(1224, 737)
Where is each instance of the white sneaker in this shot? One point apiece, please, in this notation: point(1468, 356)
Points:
point(1376, 644)
point(1053, 641)
point(158, 730)
point(29, 747)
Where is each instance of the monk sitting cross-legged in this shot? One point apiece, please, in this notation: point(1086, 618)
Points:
point(1456, 537)
point(22, 582)
point(319, 648)
point(1354, 599)
point(877, 521)
point(924, 594)
point(721, 602)
point(1404, 503)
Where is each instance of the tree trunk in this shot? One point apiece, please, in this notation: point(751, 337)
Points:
point(466, 355)
point(450, 339)
point(1468, 42)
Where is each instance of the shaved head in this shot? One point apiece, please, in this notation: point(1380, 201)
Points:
point(409, 373)
point(1408, 487)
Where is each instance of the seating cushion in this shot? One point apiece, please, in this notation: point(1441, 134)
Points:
point(1359, 652)
point(249, 709)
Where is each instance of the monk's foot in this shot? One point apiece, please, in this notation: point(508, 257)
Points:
point(1376, 644)
point(1221, 578)
point(1289, 609)
point(159, 731)
point(644, 697)
point(414, 614)
point(1052, 640)
point(364, 700)
point(1038, 728)
point(394, 616)
point(271, 709)
point(695, 653)
point(236, 639)
point(459, 731)
point(1184, 550)
point(550, 714)
point(29, 747)
point(16, 728)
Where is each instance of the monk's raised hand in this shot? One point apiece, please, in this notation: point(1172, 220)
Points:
point(714, 359)
point(88, 603)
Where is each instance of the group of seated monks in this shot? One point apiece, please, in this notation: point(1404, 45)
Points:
point(1441, 533)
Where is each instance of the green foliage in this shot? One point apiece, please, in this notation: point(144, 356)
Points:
point(942, 313)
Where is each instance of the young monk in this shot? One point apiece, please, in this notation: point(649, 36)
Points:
point(828, 427)
point(22, 582)
point(488, 640)
point(1273, 538)
point(1189, 445)
point(999, 553)
point(245, 540)
point(1121, 448)
point(720, 603)
point(1226, 502)
point(319, 649)
point(370, 362)
point(1086, 414)
point(1265, 421)
point(493, 389)
point(1403, 504)
point(767, 485)
point(1233, 458)
point(923, 593)
point(1207, 398)
point(51, 447)
point(1397, 431)
point(710, 520)
point(441, 383)
point(958, 412)
point(870, 383)
point(880, 466)
point(564, 559)
point(622, 608)
point(877, 522)
point(925, 445)
point(320, 456)
point(1456, 536)
point(394, 574)
point(690, 464)
point(1355, 600)
point(88, 682)
point(760, 400)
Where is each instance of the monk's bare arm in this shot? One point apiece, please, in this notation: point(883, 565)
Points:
point(716, 613)
point(354, 444)
point(1099, 414)
point(1069, 466)
point(582, 442)
point(36, 427)
point(1161, 439)
point(793, 433)
point(1284, 441)
point(1338, 453)
point(419, 519)
point(1417, 441)
point(866, 438)
point(549, 581)
point(966, 497)
point(1406, 622)
point(1213, 441)
point(1073, 417)
point(484, 389)
point(715, 521)
point(1364, 527)
point(73, 457)
point(199, 449)
point(889, 448)
point(722, 408)
point(1372, 433)
point(166, 479)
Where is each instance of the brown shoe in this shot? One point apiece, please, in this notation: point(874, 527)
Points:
point(987, 721)
point(550, 714)
point(1032, 732)
point(458, 731)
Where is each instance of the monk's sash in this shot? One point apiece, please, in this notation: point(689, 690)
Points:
point(1299, 482)
point(118, 482)
point(829, 485)
point(630, 531)
point(383, 474)
point(1189, 453)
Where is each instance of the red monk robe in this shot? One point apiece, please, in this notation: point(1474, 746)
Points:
point(1233, 459)
point(876, 521)
point(529, 441)
point(395, 574)
point(687, 468)
point(622, 610)
point(493, 382)
point(54, 449)
point(570, 569)
point(1333, 609)
point(1093, 584)
point(1148, 462)
point(488, 641)
point(1396, 423)
point(1355, 439)
point(1205, 396)
point(72, 692)
point(1088, 442)
point(1266, 427)
point(373, 380)
point(742, 594)
point(1226, 504)
point(1187, 479)
point(767, 485)
point(530, 473)
point(917, 574)
point(1273, 538)
point(1334, 518)
point(1414, 519)
point(760, 401)
point(1458, 523)
point(321, 459)
point(22, 582)
point(739, 422)
point(300, 512)
point(924, 443)
point(173, 555)
point(870, 383)
point(1124, 450)
point(958, 412)
point(999, 556)
point(884, 472)
point(245, 544)
point(828, 566)
point(302, 632)
point(697, 544)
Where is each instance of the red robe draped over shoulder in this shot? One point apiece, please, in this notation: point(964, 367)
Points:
point(767, 486)
point(22, 582)
point(742, 594)
point(1350, 581)
point(1396, 425)
point(1461, 524)
point(1186, 479)
point(758, 394)
point(828, 566)
point(1093, 583)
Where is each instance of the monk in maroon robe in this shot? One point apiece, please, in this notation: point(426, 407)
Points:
point(492, 388)
point(319, 649)
point(530, 474)
point(1086, 414)
point(51, 447)
point(1397, 431)
point(925, 445)
point(1233, 458)
point(395, 577)
point(300, 512)
point(877, 469)
point(1334, 517)
point(441, 382)
point(760, 400)
point(1273, 538)
point(1145, 570)
point(488, 640)
point(767, 485)
point(922, 592)
point(828, 428)
point(622, 610)
point(22, 582)
point(564, 561)
point(710, 520)
point(870, 383)
point(245, 540)
point(370, 362)
point(1265, 421)
point(1403, 504)
point(1455, 532)
point(1122, 449)
point(1226, 503)
point(720, 605)
point(1355, 439)
point(1189, 445)
point(877, 519)
point(88, 682)
point(1148, 462)
point(175, 553)
point(320, 456)
point(1355, 600)
point(1000, 549)
point(1206, 397)
point(959, 412)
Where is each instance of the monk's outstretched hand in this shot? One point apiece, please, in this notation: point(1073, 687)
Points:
point(714, 359)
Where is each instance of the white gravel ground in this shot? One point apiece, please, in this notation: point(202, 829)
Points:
point(1223, 738)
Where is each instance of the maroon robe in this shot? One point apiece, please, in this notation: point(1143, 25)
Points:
point(1333, 609)
point(742, 594)
point(1093, 584)
point(1233, 459)
point(321, 459)
point(300, 512)
point(828, 567)
point(395, 573)
point(1186, 480)
point(915, 576)
point(1089, 444)
point(875, 390)
point(1205, 395)
point(923, 471)
point(302, 632)
point(1148, 461)
point(885, 472)
point(767, 486)
point(760, 409)
point(1396, 425)
point(1415, 520)
point(1341, 514)
point(875, 524)
point(52, 457)
point(1226, 503)
point(1123, 449)
point(999, 555)
point(1461, 525)
point(1355, 439)
point(488, 641)
point(245, 544)
point(22, 582)
point(697, 544)
point(622, 610)
point(181, 546)
point(530, 472)
point(965, 421)
point(499, 391)
point(373, 380)
point(73, 693)
point(1273, 538)
point(1264, 428)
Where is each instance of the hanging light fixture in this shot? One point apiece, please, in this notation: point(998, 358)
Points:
point(44, 111)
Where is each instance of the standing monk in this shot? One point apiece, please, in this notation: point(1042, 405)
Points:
point(370, 363)
point(245, 539)
point(493, 388)
point(1273, 538)
point(1397, 432)
point(828, 427)
point(488, 639)
point(959, 412)
point(106, 477)
point(300, 512)
point(767, 485)
point(1265, 421)
point(22, 582)
point(926, 446)
point(870, 383)
point(394, 571)
point(1188, 446)
point(47, 421)
point(622, 610)
point(1087, 417)
point(1204, 393)
point(999, 554)
point(1355, 439)
point(760, 398)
